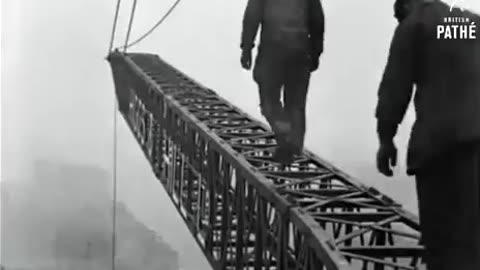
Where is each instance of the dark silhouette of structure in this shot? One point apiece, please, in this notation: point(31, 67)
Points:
point(245, 210)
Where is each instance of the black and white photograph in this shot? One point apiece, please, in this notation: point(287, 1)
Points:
point(240, 135)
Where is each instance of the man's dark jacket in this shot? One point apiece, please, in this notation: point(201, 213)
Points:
point(447, 78)
point(298, 24)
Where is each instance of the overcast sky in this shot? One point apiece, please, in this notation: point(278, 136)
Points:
point(57, 89)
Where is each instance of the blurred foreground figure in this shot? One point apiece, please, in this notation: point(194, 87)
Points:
point(438, 51)
point(291, 42)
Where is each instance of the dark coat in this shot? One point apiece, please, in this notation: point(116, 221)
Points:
point(446, 73)
point(298, 24)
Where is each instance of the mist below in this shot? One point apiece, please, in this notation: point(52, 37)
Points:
point(63, 219)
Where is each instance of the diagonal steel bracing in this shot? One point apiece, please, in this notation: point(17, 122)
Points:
point(245, 210)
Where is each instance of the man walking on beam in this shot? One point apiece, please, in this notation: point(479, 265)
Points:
point(291, 43)
point(444, 148)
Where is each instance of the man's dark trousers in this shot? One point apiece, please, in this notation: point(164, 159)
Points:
point(276, 68)
point(449, 204)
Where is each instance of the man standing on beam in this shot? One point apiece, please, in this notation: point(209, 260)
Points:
point(444, 147)
point(291, 43)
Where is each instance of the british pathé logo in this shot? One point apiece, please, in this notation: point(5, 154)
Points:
point(458, 26)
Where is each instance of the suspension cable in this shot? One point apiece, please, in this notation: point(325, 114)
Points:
point(114, 28)
point(165, 16)
point(114, 161)
point(114, 226)
point(132, 16)
point(115, 120)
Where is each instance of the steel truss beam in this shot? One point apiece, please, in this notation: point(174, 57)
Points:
point(245, 210)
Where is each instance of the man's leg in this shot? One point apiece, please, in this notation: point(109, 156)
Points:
point(449, 207)
point(269, 73)
point(295, 99)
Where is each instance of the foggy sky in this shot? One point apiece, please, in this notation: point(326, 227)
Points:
point(57, 90)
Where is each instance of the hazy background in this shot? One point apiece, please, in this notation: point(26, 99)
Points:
point(57, 94)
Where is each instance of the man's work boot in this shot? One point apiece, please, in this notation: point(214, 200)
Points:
point(293, 143)
point(295, 137)
point(279, 124)
point(296, 150)
point(283, 155)
point(282, 128)
point(297, 147)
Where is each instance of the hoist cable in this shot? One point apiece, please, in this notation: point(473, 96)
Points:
point(132, 16)
point(114, 28)
point(114, 214)
point(115, 118)
point(165, 16)
point(114, 161)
